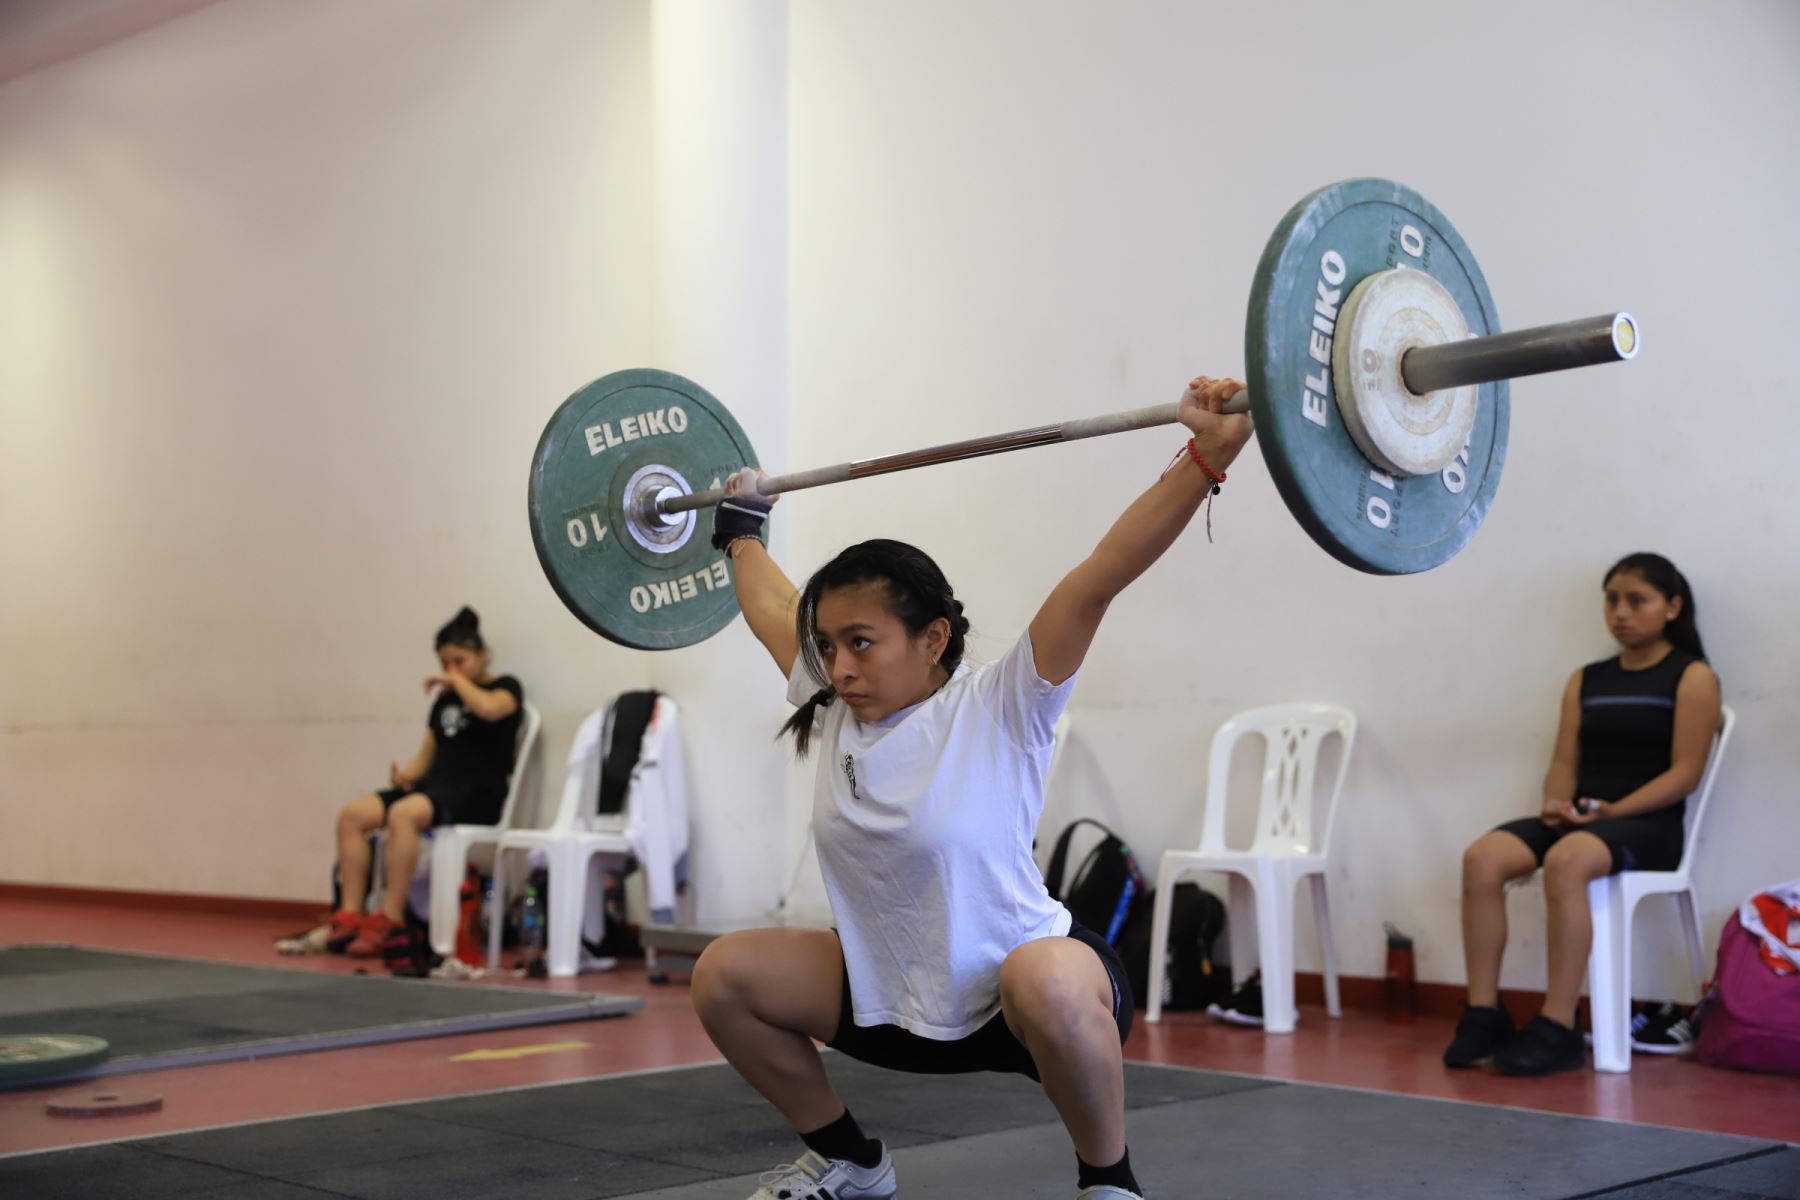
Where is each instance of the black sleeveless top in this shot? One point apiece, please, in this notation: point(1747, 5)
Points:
point(1628, 728)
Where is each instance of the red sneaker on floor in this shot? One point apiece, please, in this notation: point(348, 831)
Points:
point(371, 934)
point(345, 925)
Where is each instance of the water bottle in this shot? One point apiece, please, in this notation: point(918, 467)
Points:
point(469, 946)
point(531, 931)
point(1402, 987)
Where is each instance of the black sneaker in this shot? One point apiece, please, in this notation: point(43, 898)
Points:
point(1662, 1029)
point(1542, 1047)
point(1479, 1033)
point(1245, 1006)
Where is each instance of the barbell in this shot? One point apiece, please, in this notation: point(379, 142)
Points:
point(1375, 368)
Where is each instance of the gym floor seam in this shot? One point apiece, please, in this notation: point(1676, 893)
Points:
point(1730, 1160)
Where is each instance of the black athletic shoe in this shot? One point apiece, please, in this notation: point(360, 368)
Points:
point(1662, 1029)
point(1542, 1047)
point(1245, 1006)
point(1479, 1033)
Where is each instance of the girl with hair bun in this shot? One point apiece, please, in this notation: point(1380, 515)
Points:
point(948, 954)
point(457, 777)
point(1635, 733)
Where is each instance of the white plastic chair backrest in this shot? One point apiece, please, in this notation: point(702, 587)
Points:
point(522, 745)
point(1696, 805)
point(581, 774)
point(1293, 735)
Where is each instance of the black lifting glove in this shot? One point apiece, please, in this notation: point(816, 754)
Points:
point(739, 516)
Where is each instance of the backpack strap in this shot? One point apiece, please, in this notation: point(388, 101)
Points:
point(1059, 857)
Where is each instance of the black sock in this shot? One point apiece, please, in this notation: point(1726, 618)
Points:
point(844, 1139)
point(1118, 1175)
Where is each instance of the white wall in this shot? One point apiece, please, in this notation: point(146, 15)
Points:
point(289, 292)
point(316, 275)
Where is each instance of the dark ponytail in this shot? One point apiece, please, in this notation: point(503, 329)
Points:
point(917, 594)
point(463, 630)
point(1684, 631)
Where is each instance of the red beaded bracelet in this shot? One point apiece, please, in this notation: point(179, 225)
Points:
point(1217, 477)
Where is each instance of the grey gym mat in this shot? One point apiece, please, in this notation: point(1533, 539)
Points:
point(701, 1134)
point(162, 1012)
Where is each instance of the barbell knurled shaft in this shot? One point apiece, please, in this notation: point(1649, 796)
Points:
point(1019, 439)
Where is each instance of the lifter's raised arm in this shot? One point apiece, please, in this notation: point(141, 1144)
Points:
point(767, 597)
point(1064, 627)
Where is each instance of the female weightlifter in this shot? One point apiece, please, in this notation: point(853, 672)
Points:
point(949, 955)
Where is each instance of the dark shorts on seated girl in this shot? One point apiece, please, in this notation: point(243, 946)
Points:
point(1650, 843)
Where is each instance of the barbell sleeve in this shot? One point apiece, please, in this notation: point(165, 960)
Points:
point(1609, 337)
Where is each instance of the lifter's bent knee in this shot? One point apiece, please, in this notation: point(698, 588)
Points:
point(1051, 990)
point(790, 979)
point(713, 985)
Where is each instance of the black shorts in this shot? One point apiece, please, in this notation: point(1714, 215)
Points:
point(1636, 843)
point(990, 1048)
point(453, 801)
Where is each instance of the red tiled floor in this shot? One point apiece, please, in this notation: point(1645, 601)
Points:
point(1360, 1051)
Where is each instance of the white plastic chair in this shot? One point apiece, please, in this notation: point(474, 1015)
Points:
point(1613, 900)
point(447, 859)
point(1285, 851)
point(577, 833)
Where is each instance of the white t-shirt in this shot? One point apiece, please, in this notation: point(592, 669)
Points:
point(923, 822)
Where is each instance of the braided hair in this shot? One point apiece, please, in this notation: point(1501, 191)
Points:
point(916, 593)
point(1684, 631)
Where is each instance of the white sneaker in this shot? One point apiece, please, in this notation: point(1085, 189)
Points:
point(1106, 1191)
point(814, 1178)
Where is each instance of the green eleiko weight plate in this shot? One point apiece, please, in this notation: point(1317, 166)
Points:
point(610, 444)
point(1322, 248)
point(28, 1056)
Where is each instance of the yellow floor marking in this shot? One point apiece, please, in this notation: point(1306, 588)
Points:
point(518, 1052)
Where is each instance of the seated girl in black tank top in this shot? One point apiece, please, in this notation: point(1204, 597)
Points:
point(1633, 740)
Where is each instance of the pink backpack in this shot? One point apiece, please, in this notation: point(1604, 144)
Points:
point(1751, 1020)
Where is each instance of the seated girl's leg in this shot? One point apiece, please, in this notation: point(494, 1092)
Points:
point(765, 996)
point(1057, 998)
point(355, 822)
point(1488, 864)
point(409, 817)
point(1576, 859)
